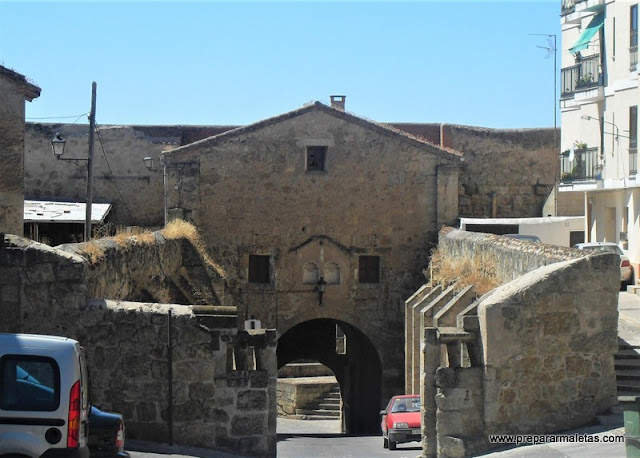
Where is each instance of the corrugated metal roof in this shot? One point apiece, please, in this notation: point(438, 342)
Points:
point(44, 211)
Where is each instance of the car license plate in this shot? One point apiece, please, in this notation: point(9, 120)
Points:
point(416, 431)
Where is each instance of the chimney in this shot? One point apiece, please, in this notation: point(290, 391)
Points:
point(337, 102)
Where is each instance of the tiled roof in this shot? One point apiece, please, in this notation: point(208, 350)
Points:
point(382, 128)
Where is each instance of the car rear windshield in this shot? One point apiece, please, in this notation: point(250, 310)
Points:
point(29, 383)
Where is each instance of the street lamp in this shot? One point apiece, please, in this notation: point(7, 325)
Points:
point(57, 146)
point(589, 118)
point(148, 162)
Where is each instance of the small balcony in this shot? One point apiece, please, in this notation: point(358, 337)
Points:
point(633, 160)
point(583, 76)
point(582, 165)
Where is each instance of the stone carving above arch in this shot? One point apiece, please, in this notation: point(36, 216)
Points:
point(310, 273)
point(332, 273)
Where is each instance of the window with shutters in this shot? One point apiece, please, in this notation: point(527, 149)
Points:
point(369, 269)
point(259, 269)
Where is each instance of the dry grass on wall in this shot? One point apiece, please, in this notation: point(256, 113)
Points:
point(446, 271)
point(125, 236)
point(178, 228)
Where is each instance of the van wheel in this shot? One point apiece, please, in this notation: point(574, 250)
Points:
point(385, 442)
point(392, 445)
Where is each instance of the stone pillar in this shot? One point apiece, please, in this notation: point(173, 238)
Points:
point(430, 363)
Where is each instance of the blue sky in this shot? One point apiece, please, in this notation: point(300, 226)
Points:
point(212, 62)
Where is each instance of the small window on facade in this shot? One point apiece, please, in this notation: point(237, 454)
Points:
point(332, 273)
point(369, 269)
point(310, 273)
point(259, 269)
point(316, 156)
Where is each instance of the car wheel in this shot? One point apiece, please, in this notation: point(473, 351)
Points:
point(385, 442)
point(392, 445)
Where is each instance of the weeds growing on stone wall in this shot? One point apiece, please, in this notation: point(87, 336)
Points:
point(94, 252)
point(124, 236)
point(480, 272)
point(178, 228)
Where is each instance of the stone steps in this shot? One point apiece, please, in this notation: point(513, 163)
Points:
point(325, 408)
point(627, 367)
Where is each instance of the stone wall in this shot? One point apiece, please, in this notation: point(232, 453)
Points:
point(295, 393)
point(153, 269)
point(507, 172)
point(513, 169)
point(14, 90)
point(120, 174)
point(223, 390)
point(507, 258)
point(539, 348)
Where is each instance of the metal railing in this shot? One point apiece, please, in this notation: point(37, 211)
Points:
point(633, 58)
point(582, 167)
point(633, 159)
point(568, 6)
point(584, 75)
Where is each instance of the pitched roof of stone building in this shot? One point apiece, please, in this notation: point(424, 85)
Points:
point(379, 127)
point(31, 91)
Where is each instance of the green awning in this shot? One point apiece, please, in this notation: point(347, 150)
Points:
point(587, 34)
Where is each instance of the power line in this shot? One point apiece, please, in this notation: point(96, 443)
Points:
point(104, 153)
point(60, 117)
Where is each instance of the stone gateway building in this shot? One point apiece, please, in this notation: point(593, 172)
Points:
point(323, 222)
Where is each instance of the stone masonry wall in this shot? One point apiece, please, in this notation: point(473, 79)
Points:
point(221, 399)
point(516, 165)
point(547, 342)
point(513, 168)
point(507, 258)
point(14, 90)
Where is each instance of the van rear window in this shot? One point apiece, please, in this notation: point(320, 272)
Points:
point(29, 383)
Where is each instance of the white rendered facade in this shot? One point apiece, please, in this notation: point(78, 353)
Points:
point(599, 101)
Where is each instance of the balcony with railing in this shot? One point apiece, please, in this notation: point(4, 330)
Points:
point(633, 159)
point(583, 76)
point(579, 6)
point(582, 165)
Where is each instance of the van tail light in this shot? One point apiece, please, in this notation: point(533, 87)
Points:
point(120, 437)
point(73, 435)
point(625, 263)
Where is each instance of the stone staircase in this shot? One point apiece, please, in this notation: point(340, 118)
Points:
point(325, 408)
point(627, 364)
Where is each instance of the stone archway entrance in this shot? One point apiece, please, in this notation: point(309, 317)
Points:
point(357, 368)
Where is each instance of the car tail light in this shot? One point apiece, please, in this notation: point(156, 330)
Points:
point(120, 437)
point(625, 263)
point(73, 436)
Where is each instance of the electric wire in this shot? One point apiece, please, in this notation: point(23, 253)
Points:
point(61, 117)
point(104, 153)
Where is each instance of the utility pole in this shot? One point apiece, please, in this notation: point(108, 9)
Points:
point(92, 129)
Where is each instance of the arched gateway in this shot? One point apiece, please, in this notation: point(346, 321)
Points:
point(358, 369)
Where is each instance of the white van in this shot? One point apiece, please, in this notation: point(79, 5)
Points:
point(44, 397)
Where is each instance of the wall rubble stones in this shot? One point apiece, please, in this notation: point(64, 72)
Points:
point(547, 334)
point(516, 165)
point(217, 388)
point(14, 90)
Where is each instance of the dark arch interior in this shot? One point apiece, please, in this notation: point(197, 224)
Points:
point(358, 370)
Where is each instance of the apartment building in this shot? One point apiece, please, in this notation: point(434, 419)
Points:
point(599, 118)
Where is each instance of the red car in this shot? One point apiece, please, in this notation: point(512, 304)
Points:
point(401, 420)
